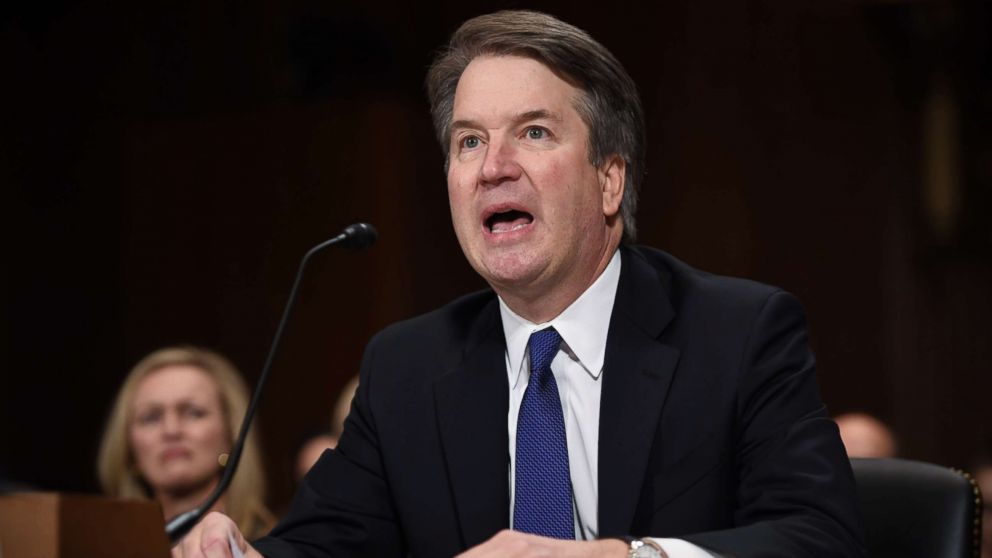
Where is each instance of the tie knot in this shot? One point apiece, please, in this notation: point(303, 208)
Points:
point(543, 348)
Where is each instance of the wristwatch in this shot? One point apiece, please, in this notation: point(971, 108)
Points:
point(643, 548)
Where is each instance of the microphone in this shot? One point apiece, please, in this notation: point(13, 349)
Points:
point(356, 237)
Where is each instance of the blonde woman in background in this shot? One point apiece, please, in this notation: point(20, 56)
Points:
point(176, 414)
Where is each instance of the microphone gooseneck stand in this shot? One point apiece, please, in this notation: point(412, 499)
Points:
point(357, 236)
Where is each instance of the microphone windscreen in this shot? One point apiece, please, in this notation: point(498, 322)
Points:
point(359, 236)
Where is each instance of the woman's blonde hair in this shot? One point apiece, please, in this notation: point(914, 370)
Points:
point(119, 476)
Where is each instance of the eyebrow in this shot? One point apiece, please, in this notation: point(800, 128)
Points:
point(539, 114)
point(526, 116)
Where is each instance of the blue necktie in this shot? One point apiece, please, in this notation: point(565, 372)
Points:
point(542, 486)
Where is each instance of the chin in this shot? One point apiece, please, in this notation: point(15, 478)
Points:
point(180, 483)
point(513, 268)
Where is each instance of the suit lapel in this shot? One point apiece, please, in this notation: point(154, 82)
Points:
point(472, 402)
point(636, 376)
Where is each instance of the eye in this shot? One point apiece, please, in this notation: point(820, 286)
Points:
point(536, 133)
point(149, 417)
point(471, 142)
point(194, 412)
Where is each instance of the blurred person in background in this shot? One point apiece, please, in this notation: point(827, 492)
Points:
point(171, 428)
point(313, 446)
point(310, 450)
point(866, 436)
point(343, 405)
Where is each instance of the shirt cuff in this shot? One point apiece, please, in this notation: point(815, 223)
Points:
point(678, 548)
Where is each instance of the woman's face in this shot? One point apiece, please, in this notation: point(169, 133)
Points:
point(177, 429)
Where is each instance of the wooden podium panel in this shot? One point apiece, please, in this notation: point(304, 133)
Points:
point(52, 525)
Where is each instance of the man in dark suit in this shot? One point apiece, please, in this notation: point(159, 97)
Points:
point(602, 399)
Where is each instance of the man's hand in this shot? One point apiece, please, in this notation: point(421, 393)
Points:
point(212, 538)
point(513, 544)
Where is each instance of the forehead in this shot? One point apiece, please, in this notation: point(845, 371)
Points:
point(498, 86)
point(173, 383)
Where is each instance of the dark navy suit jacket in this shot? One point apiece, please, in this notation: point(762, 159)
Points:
point(711, 430)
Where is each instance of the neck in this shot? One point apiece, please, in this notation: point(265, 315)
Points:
point(539, 304)
point(180, 501)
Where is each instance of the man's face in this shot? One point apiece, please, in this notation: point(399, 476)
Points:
point(530, 211)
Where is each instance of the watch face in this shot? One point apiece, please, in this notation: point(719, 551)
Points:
point(645, 551)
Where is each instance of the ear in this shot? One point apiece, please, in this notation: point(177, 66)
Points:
point(612, 180)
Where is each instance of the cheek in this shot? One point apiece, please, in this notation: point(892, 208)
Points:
point(565, 181)
point(142, 444)
point(460, 203)
point(575, 195)
point(212, 435)
point(454, 202)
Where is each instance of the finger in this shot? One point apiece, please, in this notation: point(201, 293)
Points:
point(216, 538)
point(187, 546)
point(235, 545)
point(216, 549)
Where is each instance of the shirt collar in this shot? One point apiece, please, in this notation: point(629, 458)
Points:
point(583, 326)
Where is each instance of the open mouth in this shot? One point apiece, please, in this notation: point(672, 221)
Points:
point(508, 221)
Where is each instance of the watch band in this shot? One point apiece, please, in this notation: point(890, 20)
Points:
point(643, 548)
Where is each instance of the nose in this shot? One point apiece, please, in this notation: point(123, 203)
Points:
point(171, 425)
point(500, 163)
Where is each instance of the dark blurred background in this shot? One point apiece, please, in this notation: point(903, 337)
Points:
point(166, 164)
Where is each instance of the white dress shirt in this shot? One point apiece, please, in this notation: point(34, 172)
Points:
point(578, 371)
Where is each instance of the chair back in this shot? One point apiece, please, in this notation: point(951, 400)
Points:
point(912, 509)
